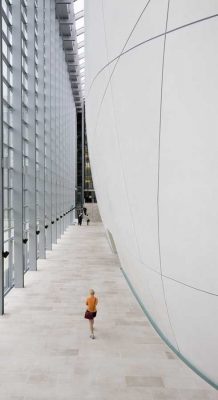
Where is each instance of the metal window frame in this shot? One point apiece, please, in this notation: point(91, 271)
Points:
point(48, 133)
point(1, 183)
point(53, 125)
point(18, 146)
point(32, 139)
point(41, 129)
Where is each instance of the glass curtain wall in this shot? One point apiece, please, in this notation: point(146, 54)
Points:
point(25, 133)
point(37, 143)
point(38, 124)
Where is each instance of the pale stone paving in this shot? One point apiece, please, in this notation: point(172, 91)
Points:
point(45, 349)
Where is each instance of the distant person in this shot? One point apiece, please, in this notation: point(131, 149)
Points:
point(80, 218)
point(85, 210)
point(91, 311)
point(87, 219)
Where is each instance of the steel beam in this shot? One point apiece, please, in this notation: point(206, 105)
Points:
point(53, 123)
point(1, 182)
point(65, 146)
point(83, 152)
point(79, 15)
point(48, 136)
point(65, 21)
point(31, 182)
point(57, 133)
point(61, 129)
point(18, 146)
point(41, 130)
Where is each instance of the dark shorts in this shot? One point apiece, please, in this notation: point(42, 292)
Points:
point(90, 315)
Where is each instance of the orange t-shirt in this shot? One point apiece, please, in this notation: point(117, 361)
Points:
point(91, 303)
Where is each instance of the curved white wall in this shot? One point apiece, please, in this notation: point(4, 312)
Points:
point(152, 122)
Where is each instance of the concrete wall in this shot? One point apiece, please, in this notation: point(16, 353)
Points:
point(152, 124)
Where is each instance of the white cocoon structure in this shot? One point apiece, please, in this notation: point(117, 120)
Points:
point(152, 125)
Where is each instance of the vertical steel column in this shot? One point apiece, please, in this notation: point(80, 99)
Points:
point(60, 128)
point(65, 146)
point(63, 136)
point(18, 146)
point(74, 167)
point(68, 156)
point(83, 152)
point(73, 155)
point(68, 153)
point(53, 124)
point(1, 181)
point(48, 139)
point(73, 132)
point(61, 158)
point(71, 158)
point(63, 140)
point(67, 150)
point(57, 97)
point(32, 136)
point(41, 128)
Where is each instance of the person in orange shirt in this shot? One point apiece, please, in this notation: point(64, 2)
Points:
point(91, 311)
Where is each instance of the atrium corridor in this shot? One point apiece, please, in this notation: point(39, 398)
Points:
point(46, 352)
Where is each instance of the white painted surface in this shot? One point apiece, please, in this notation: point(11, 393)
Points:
point(151, 24)
point(189, 144)
point(194, 317)
point(123, 133)
point(119, 23)
point(187, 11)
point(99, 57)
point(137, 129)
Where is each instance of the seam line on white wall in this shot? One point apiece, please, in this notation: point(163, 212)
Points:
point(117, 58)
point(119, 148)
point(147, 41)
point(118, 139)
point(108, 83)
point(190, 286)
point(164, 338)
point(178, 281)
point(158, 175)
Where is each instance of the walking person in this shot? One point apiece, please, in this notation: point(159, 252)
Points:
point(87, 219)
point(91, 311)
point(80, 218)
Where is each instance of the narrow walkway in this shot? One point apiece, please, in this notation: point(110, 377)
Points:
point(45, 349)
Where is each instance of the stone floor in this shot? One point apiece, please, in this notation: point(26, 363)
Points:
point(45, 349)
